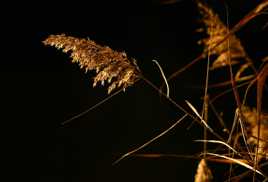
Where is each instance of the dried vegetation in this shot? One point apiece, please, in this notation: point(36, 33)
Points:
point(251, 137)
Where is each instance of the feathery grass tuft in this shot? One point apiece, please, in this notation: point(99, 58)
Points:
point(203, 173)
point(216, 31)
point(251, 120)
point(111, 66)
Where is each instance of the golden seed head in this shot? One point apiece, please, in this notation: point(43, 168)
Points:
point(111, 66)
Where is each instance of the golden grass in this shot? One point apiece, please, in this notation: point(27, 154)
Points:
point(111, 66)
point(119, 71)
point(203, 173)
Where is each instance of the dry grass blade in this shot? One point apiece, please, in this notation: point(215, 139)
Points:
point(150, 141)
point(111, 66)
point(219, 142)
point(203, 173)
point(237, 161)
point(198, 115)
point(91, 108)
point(163, 75)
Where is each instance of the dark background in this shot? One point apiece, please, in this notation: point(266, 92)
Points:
point(40, 89)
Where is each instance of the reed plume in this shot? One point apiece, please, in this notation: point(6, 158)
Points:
point(111, 66)
point(216, 30)
point(252, 129)
point(203, 173)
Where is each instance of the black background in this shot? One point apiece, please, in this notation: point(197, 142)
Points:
point(40, 89)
